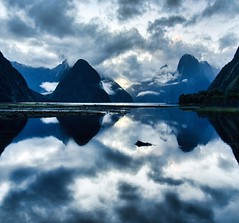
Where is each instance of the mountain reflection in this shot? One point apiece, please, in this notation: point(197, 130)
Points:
point(9, 129)
point(227, 127)
point(70, 173)
point(81, 128)
point(190, 130)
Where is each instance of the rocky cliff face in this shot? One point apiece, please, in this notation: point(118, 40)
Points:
point(13, 87)
point(228, 78)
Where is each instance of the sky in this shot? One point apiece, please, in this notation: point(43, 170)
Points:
point(128, 41)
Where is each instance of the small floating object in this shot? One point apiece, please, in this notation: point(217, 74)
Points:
point(140, 144)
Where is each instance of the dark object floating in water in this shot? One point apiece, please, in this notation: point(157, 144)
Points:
point(139, 144)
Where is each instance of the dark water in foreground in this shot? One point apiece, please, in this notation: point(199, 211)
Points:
point(88, 168)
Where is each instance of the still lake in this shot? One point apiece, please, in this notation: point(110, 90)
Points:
point(88, 169)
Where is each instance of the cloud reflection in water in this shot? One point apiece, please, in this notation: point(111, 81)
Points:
point(109, 179)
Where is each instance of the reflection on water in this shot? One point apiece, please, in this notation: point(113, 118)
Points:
point(88, 168)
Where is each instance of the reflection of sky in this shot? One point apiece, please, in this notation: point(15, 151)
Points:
point(111, 180)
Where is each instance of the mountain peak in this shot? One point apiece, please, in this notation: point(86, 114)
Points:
point(81, 62)
point(188, 58)
point(187, 65)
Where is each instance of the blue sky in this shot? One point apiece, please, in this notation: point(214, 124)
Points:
point(126, 40)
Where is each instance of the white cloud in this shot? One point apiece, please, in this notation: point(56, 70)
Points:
point(143, 93)
point(107, 86)
point(49, 87)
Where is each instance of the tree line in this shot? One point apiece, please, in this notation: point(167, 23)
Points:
point(211, 97)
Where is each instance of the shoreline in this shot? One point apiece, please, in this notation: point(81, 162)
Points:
point(52, 109)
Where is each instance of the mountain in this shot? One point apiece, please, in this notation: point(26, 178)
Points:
point(228, 78)
point(223, 91)
point(115, 91)
point(45, 80)
point(81, 83)
point(190, 76)
point(41, 79)
point(13, 87)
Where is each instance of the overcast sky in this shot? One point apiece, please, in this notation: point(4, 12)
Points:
point(128, 40)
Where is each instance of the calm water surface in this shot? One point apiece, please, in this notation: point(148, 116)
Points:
point(88, 168)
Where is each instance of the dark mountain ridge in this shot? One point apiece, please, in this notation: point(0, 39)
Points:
point(228, 78)
point(13, 87)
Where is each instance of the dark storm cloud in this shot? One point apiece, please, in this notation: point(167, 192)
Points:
point(129, 9)
point(173, 3)
point(109, 45)
point(221, 7)
point(20, 28)
point(117, 43)
point(166, 22)
point(218, 7)
point(228, 40)
point(51, 17)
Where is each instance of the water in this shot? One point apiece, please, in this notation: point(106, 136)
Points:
point(88, 168)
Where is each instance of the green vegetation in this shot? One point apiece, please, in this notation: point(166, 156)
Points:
point(213, 97)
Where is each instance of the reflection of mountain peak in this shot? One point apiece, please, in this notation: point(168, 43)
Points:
point(81, 128)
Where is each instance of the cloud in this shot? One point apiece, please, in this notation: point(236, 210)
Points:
point(49, 87)
point(20, 28)
point(221, 7)
point(143, 93)
point(53, 17)
point(228, 40)
point(166, 22)
point(173, 3)
point(129, 9)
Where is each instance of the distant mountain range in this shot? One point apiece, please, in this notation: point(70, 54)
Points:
point(190, 76)
point(82, 83)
